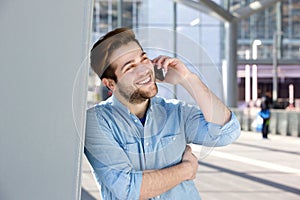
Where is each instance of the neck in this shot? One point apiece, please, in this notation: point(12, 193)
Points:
point(139, 109)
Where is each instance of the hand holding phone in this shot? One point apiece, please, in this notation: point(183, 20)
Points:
point(159, 74)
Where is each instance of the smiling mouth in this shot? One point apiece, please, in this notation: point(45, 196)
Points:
point(145, 81)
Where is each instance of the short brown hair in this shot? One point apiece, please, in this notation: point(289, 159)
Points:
point(104, 47)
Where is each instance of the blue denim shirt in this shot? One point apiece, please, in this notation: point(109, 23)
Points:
point(119, 147)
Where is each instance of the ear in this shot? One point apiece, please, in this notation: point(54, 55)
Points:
point(109, 83)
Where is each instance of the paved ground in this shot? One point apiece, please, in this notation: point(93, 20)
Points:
point(249, 169)
point(89, 188)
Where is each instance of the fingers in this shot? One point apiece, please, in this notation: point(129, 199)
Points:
point(159, 60)
point(188, 154)
point(163, 62)
point(175, 71)
point(192, 162)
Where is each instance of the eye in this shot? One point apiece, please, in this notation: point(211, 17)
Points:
point(128, 68)
point(145, 58)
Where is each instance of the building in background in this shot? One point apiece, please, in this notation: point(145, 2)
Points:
point(278, 24)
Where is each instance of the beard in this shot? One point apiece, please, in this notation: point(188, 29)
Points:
point(139, 95)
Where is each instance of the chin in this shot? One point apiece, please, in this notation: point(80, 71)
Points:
point(152, 91)
point(142, 95)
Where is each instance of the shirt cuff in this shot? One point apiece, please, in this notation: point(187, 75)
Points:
point(231, 130)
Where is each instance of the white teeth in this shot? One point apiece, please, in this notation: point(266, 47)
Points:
point(144, 81)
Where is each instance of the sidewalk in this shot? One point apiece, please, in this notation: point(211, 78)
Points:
point(89, 189)
point(251, 168)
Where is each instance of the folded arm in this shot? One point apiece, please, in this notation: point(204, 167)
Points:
point(160, 181)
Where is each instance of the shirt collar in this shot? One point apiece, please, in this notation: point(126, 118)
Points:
point(119, 105)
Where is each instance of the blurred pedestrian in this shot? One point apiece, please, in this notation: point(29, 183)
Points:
point(265, 115)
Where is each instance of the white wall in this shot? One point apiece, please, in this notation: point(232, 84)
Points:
point(43, 46)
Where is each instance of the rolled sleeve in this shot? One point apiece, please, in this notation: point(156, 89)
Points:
point(226, 134)
point(112, 168)
point(199, 131)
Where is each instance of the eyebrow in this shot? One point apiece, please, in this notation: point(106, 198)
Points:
point(142, 54)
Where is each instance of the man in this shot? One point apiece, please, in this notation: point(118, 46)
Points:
point(265, 114)
point(137, 142)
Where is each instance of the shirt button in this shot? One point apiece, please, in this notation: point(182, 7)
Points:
point(147, 143)
point(158, 197)
point(135, 120)
point(174, 138)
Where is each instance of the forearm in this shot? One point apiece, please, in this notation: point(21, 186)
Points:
point(214, 110)
point(157, 182)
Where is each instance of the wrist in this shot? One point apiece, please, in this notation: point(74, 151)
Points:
point(186, 169)
point(186, 78)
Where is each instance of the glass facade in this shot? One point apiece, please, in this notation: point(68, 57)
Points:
point(110, 14)
point(279, 24)
point(282, 19)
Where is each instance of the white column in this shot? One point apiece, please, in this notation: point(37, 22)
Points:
point(97, 16)
point(291, 94)
point(247, 84)
point(254, 83)
point(254, 70)
point(247, 79)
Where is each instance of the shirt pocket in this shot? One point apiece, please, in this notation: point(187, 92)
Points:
point(172, 147)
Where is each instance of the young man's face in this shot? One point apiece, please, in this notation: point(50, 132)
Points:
point(135, 73)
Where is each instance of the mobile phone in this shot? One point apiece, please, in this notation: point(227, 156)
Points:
point(159, 74)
